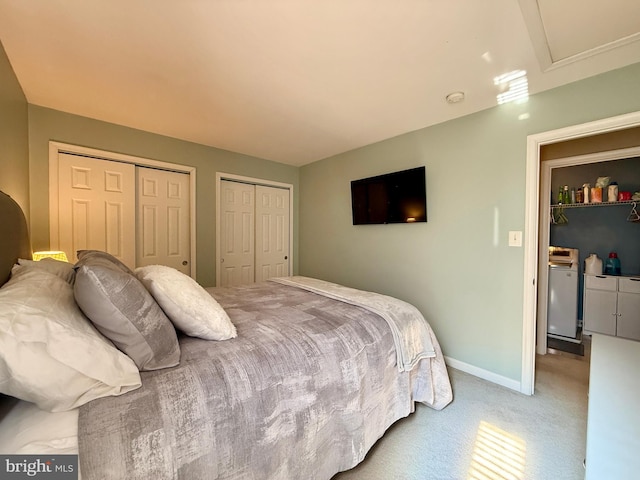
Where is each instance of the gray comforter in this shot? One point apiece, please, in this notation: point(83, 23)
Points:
point(304, 391)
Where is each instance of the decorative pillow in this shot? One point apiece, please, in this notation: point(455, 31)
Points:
point(126, 313)
point(99, 254)
point(62, 269)
point(50, 354)
point(186, 303)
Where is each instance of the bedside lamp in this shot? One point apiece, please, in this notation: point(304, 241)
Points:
point(55, 254)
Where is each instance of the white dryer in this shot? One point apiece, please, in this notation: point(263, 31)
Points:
point(562, 309)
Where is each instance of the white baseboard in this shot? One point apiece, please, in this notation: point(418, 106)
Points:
point(484, 374)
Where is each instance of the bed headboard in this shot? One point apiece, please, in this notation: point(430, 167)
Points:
point(14, 240)
point(14, 244)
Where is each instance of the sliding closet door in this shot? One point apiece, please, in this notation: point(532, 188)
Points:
point(272, 232)
point(96, 206)
point(237, 235)
point(254, 232)
point(163, 235)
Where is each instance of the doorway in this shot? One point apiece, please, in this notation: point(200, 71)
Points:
point(533, 255)
point(601, 220)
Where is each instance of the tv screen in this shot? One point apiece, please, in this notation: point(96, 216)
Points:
point(398, 197)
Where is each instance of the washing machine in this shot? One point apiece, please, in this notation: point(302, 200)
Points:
point(562, 309)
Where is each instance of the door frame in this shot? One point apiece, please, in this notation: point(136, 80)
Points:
point(55, 148)
point(532, 222)
point(253, 181)
point(547, 168)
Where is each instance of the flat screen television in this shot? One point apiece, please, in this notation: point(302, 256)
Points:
point(398, 197)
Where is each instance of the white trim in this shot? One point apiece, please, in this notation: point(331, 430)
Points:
point(482, 373)
point(592, 52)
point(535, 26)
point(55, 148)
point(253, 181)
point(530, 270)
point(532, 221)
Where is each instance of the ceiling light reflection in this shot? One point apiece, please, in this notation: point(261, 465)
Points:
point(516, 84)
point(509, 77)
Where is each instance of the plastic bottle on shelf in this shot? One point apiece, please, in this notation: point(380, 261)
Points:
point(560, 196)
point(586, 188)
point(566, 199)
point(593, 265)
point(573, 195)
point(612, 267)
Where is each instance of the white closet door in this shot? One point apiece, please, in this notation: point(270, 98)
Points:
point(272, 232)
point(96, 206)
point(237, 235)
point(163, 236)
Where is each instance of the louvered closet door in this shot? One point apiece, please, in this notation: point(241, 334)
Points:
point(96, 202)
point(163, 236)
point(237, 235)
point(272, 232)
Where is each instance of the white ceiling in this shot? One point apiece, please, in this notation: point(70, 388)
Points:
point(296, 81)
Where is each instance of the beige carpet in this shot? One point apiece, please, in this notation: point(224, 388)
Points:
point(491, 432)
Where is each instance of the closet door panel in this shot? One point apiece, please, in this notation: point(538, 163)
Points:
point(96, 206)
point(163, 236)
point(237, 235)
point(272, 232)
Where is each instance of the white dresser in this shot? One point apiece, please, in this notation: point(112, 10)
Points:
point(612, 305)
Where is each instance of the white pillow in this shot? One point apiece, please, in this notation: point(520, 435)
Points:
point(50, 354)
point(186, 303)
point(26, 429)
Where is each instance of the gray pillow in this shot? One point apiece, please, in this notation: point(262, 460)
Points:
point(99, 254)
point(124, 311)
point(62, 269)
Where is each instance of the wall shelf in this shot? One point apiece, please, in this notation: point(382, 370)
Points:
point(597, 204)
point(557, 216)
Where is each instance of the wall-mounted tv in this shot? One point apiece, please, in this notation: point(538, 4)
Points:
point(398, 197)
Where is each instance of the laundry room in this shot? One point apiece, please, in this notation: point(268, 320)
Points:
point(595, 218)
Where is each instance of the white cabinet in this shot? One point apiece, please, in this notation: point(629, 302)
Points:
point(629, 308)
point(600, 311)
point(612, 305)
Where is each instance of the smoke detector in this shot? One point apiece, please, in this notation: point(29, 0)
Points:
point(455, 97)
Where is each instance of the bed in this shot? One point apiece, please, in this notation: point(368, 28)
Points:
point(290, 378)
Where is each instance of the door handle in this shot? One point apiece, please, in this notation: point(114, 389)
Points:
point(185, 263)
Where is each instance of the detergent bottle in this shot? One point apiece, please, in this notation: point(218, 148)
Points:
point(593, 265)
point(612, 267)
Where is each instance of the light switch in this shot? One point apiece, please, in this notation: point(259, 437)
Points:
point(515, 238)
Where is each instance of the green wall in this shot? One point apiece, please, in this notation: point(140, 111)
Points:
point(457, 268)
point(14, 144)
point(46, 124)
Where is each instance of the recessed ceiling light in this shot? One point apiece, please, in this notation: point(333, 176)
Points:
point(455, 97)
